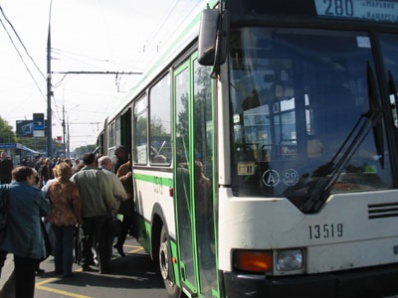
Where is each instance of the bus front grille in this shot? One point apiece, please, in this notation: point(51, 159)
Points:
point(382, 210)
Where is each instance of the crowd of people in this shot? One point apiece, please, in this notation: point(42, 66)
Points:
point(65, 197)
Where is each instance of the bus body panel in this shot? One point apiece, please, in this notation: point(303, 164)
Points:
point(153, 188)
point(357, 254)
point(349, 240)
point(369, 282)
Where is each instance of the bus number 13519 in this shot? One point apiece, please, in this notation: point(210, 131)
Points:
point(326, 231)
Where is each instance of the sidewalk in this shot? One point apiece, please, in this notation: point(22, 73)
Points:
point(7, 274)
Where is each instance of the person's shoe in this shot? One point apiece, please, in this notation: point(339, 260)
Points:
point(39, 271)
point(87, 268)
point(119, 249)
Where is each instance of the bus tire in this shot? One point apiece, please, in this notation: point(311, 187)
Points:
point(165, 265)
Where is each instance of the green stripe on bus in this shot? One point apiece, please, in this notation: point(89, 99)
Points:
point(174, 253)
point(154, 179)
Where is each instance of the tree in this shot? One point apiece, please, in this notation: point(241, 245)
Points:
point(6, 133)
point(79, 151)
point(35, 143)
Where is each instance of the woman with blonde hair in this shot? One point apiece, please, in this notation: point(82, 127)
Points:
point(66, 214)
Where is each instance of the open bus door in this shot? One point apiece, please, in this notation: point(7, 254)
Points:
point(194, 191)
point(126, 131)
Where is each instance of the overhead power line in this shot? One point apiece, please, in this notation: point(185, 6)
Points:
point(20, 41)
point(60, 54)
point(22, 59)
point(166, 18)
point(95, 72)
point(19, 53)
point(90, 123)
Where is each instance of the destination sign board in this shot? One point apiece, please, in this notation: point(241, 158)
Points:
point(372, 10)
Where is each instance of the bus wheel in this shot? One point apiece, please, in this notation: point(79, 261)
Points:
point(165, 265)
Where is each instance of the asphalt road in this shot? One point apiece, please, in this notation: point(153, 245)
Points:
point(132, 276)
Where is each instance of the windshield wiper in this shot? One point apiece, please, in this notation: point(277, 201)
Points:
point(374, 103)
point(393, 92)
point(366, 122)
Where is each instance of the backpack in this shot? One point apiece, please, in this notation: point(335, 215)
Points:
point(4, 200)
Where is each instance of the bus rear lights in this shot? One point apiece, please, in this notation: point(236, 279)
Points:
point(289, 260)
point(253, 261)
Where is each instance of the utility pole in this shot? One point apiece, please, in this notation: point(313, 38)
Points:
point(68, 136)
point(63, 130)
point(49, 90)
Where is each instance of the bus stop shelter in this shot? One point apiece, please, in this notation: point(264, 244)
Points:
point(18, 152)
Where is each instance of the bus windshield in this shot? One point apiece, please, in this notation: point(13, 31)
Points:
point(306, 118)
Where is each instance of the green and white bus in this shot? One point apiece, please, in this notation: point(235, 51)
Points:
point(264, 145)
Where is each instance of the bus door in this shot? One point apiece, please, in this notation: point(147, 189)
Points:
point(126, 131)
point(194, 184)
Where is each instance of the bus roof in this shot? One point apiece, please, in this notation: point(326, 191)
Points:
point(183, 38)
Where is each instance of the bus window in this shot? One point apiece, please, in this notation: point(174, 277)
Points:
point(390, 51)
point(111, 135)
point(296, 95)
point(160, 122)
point(140, 131)
point(118, 129)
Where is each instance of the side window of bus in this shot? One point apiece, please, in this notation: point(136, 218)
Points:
point(111, 135)
point(140, 131)
point(160, 122)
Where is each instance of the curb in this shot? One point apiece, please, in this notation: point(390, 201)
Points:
point(7, 276)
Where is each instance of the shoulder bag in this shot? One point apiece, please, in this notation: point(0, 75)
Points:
point(4, 200)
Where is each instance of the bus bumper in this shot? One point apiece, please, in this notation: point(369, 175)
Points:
point(371, 282)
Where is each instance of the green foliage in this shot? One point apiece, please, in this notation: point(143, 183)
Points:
point(40, 144)
point(157, 128)
point(37, 144)
point(79, 151)
point(6, 133)
point(141, 130)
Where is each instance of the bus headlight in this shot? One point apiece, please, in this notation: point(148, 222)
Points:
point(289, 260)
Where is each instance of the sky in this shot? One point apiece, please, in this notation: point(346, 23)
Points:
point(86, 35)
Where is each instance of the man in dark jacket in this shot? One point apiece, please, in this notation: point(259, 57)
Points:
point(119, 158)
point(6, 167)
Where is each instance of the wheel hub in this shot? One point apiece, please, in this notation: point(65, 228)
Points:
point(164, 260)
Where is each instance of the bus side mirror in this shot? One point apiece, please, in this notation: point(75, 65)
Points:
point(213, 37)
